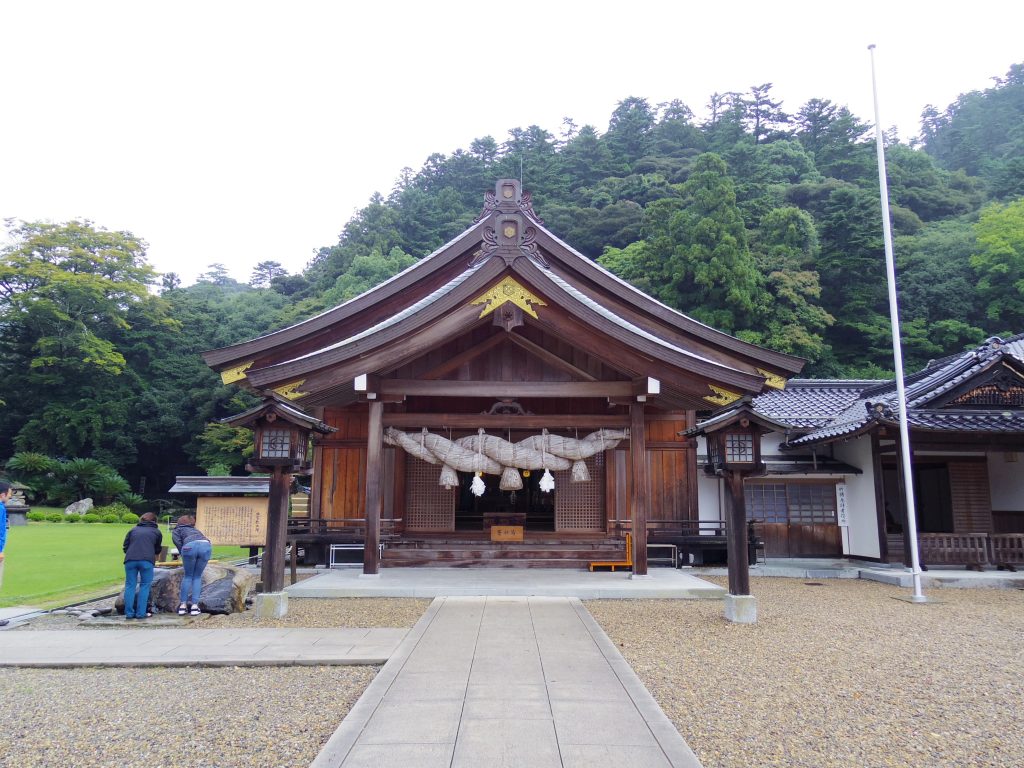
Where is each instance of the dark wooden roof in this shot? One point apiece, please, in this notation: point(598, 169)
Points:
point(565, 296)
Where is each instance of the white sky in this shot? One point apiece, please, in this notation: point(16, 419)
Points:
point(238, 132)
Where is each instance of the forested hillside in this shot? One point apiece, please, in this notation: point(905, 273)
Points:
point(763, 220)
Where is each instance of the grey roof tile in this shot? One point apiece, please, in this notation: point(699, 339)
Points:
point(834, 408)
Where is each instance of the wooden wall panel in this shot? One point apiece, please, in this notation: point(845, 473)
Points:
point(343, 483)
point(972, 505)
point(669, 456)
point(671, 461)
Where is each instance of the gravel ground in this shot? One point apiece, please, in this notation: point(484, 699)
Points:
point(839, 674)
point(835, 675)
point(233, 717)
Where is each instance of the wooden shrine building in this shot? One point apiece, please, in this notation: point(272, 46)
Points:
point(500, 364)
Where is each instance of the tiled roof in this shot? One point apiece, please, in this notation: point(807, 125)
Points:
point(806, 403)
point(830, 409)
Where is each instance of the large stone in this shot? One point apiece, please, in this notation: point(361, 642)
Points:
point(78, 507)
point(225, 588)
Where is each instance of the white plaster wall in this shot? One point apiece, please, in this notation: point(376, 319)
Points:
point(709, 490)
point(1006, 481)
point(861, 537)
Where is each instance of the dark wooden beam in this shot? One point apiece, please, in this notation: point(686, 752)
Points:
point(505, 389)
point(638, 461)
point(502, 420)
point(385, 356)
point(462, 358)
point(374, 498)
point(433, 324)
point(550, 358)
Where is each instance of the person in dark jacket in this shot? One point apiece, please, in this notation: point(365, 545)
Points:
point(195, 550)
point(141, 546)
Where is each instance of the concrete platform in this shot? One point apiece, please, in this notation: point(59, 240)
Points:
point(506, 681)
point(139, 646)
point(956, 578)
point(541, 582)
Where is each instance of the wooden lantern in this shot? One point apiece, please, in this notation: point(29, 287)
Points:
point(734, 448)
point(281, 436)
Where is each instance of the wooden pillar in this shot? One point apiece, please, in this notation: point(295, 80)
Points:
point(736, 544)
point(880, 516)
point(692, 511)
point(638, 454)
point(903, 500)
point(374, 472)
point(315, 497)
point(272, 572)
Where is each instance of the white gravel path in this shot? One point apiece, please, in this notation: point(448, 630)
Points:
point(837, 675)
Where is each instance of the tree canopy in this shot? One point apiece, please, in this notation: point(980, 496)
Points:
point(763, 219)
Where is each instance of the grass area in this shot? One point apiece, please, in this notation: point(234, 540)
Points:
point(54, 564)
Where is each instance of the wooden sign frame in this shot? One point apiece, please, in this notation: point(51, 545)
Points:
point(235, 521)
point(506, 533)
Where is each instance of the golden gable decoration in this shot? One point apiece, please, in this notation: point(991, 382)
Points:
point(772, 379)
point(291, 389)
point(508, 290)
point(721, 396)
point(231, 375)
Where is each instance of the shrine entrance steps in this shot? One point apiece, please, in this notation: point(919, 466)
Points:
point(478, 552)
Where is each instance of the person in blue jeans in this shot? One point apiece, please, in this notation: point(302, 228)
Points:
point(5, 494)
point(141, 546)
point(195, 550)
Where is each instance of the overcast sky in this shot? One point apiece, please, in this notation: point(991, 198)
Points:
point(238, 132)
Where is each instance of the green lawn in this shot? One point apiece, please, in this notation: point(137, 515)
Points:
point(54, 564)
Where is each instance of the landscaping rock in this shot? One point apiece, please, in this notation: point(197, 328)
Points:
point(225, 588)
point(78, 507)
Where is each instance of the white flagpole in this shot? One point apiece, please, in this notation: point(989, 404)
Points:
point(897, 350)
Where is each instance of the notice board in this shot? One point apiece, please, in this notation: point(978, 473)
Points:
point(236, 521)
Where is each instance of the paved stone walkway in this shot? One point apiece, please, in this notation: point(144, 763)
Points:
point(144, 647)
point(506, 681)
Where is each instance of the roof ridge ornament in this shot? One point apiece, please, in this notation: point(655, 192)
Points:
point(508, 197)
point(510, 237)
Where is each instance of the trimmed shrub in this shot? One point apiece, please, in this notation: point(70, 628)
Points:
point(55, 517)
point(72, 518)
point(129, 517)
point(117, 508)
point(90, 518)
point(36, 517)
point(111, 518)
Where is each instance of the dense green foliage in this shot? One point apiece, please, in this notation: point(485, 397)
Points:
point(759, 221)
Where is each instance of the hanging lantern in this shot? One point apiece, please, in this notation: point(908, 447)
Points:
point(580, 473)
point(510, 479)
point(526, 473)
point(547, 482)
